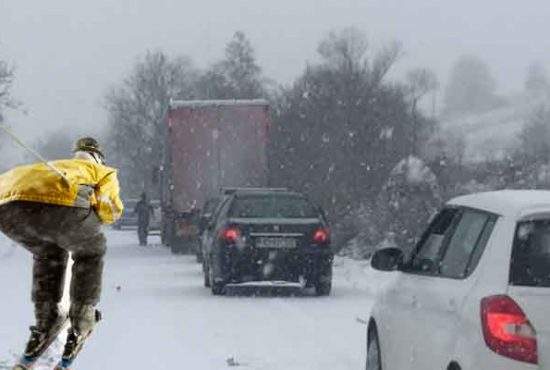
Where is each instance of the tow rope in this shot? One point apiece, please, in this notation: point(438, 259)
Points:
point(33, 152)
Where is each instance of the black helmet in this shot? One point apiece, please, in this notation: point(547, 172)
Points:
point(88, 144)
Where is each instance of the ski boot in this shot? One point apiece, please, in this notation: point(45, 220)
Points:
point(39, 342)
point(74, 344)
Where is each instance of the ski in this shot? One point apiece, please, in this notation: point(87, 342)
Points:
point(26, 362)
point(77, 343)
point(68, 359)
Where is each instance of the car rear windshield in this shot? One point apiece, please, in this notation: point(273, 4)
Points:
point(530, 264)
point(272, 206)
point(210, 206)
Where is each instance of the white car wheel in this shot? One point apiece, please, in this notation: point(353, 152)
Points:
point(373, 352)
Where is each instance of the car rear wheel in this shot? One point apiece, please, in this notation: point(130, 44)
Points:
point(175, 248)
point(323, 285)
point(216, 287)
point(323, 288)
point(373, 351)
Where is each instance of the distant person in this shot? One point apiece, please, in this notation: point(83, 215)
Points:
point(144, 210)
point(52, 209)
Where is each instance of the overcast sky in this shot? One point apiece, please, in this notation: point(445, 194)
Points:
point(68, 52)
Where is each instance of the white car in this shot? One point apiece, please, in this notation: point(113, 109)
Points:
point(475, 292)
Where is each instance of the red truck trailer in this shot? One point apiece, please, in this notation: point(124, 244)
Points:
point(209, 144)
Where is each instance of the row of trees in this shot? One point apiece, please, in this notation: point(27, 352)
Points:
point(338, 130)
point(355, 141)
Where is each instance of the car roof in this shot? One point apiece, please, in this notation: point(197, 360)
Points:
point(233, 190)
point(257, 192)
point(505, 202)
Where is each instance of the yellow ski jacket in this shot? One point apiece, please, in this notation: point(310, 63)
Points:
point(87, 184)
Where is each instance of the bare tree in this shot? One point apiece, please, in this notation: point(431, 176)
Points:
point(344, 49)
point(6, 81)
point(136, 110)
point(56, 145)
point(536, 82)
point(237, 76)
point(420, 82)
point(6, 99)
point(348, 50)
point(535, 137)
point(471, 87)
point(384, 60)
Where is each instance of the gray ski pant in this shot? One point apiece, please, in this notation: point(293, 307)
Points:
point(50, 232)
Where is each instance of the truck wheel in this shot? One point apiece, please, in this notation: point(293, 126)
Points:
point(167, 232)
point(206, 273)
point(180, 245)
point(188, 247)
point(175, 247)
point(163, 240)
point(172, 238)
point(200, 258)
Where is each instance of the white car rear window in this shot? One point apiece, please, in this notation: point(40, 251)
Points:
point(530, 264)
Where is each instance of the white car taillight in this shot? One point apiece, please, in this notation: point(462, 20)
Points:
point(507, 330)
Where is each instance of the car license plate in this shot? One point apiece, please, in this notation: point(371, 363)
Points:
point(276, 243)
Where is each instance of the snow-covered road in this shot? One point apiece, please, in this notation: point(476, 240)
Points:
point(158, 316)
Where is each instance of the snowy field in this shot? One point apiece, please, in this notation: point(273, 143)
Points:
point(158, 316)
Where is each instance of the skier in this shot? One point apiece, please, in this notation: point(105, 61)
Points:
point(143, 210)
point(52, 209)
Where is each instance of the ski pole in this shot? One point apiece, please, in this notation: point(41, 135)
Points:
point(33, 152)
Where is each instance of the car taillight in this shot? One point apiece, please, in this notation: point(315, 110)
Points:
point(230, 235)
point(321, 236)
point(507, 330)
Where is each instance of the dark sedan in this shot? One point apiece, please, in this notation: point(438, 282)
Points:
point(264, 237)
